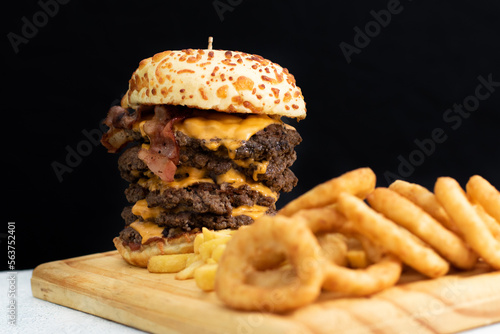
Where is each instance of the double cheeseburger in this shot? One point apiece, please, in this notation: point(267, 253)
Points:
point(203, 146)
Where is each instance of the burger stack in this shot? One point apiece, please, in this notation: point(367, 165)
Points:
point(203, 145)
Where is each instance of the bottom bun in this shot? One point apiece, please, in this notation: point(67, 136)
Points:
point(140, 257)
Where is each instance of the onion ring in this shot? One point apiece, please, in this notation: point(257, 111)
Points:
point(482, 192)
point(491, 222)
point(333, 247)
point(359, 182)
point(425, 199)
point(326, 219)
point(393, 238)
point(273, 236)
point(475, 231)
point(405, 213)
point(378, 276)
point(356, 282)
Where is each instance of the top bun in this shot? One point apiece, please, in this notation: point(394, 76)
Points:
point(226, 81)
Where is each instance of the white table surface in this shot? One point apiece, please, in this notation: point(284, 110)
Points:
point(39, 316)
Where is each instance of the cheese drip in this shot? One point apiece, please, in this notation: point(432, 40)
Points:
point(147, 230)
point(253, 212)
point(192, 176)
point(220, 129)
point(237, 179)
point(141, 208)
point(261, 167)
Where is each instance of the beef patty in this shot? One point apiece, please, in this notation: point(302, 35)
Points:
point(275, 144)
point(209, 204)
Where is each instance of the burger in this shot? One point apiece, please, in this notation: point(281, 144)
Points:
point(202, 144)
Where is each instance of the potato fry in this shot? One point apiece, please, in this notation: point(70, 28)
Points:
point(200, 238)
point(193, 257)
point(204, 276)
point(425, 199)
point(381, 231)
point(218, 251)
point(211, 234)
point(357, 259)
point(359, 182)
point(188, 272)
point(453, 198)
point(482, 192)
point(167, 263)
point(206, 248)
point(405, 213)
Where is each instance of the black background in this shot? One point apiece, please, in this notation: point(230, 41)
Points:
point(371, 111)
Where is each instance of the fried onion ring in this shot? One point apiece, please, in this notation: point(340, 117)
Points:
point(395, 239)
point(357, 282)
point(404, 213)
point(475, 231)
point(236, 282)
point(491, 222)
point(359, 182)
point(482, 192)
point(425, 199)
point(334, 247)
point(383, 273)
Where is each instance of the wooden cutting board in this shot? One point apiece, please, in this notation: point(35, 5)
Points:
point(104, 285)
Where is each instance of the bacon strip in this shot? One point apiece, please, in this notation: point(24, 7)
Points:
point(162, 156)
point(119, 120)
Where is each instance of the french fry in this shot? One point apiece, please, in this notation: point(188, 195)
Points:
point(188, 272)
point(357, 259)
point(167, 263)
point(193, 257)
point(200, 238)
point(207, 247)
point(204, 276)
point(217, 252)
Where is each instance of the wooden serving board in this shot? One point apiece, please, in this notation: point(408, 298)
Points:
point(104, 285)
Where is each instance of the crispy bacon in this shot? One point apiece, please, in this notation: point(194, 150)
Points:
point(120, 123)
point(162, 156)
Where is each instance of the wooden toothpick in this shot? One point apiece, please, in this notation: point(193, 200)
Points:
point(210, 41)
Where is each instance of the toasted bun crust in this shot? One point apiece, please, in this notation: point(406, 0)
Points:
point(226, 81)
point(140, 257)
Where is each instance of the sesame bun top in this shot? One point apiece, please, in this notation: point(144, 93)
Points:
point(226, 81)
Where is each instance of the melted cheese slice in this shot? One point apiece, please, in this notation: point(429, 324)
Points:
point(221, 129)
point(192, 176)
point(237, 179)
point(141, 208)
point(147, 230)
point(261, 166)
point(254, 212)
